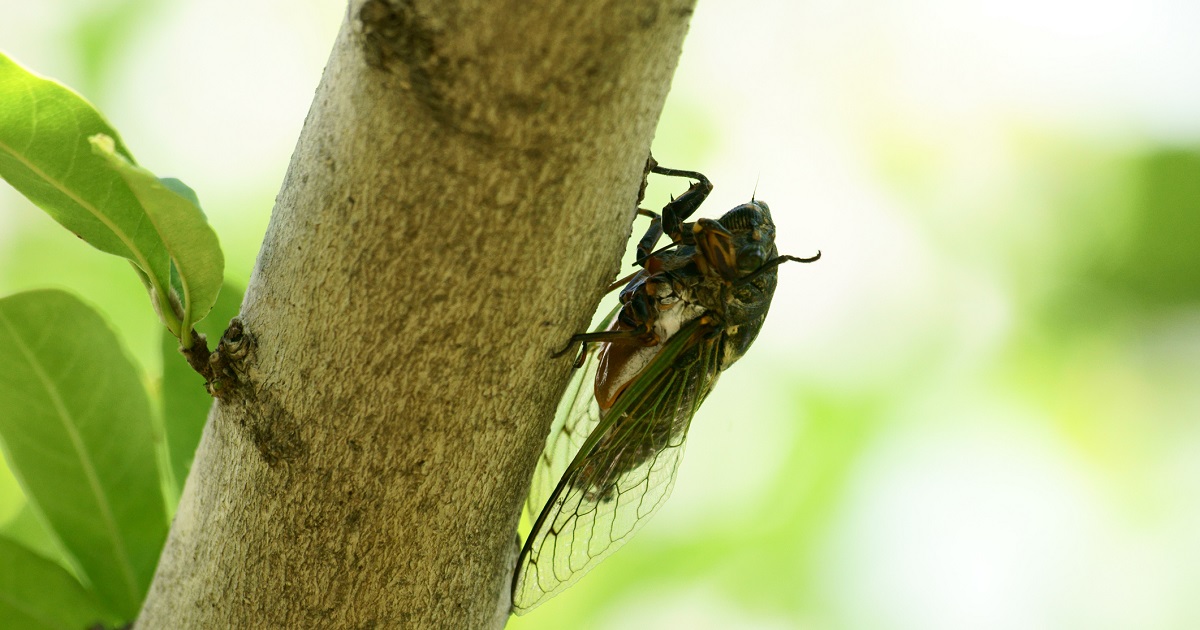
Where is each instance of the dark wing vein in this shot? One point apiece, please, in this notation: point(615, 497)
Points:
point(623, 473)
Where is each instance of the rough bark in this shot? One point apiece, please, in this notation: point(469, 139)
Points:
point(459, 196)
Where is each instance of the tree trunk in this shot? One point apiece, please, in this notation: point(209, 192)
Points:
point(460, 195)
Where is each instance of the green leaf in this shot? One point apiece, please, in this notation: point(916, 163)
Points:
point(174, 210)
point(25, 530)
point(37, 594)
point(185, 401)
point(58, 151)
point(181, 189)
point(45, 154)
point(76, 428)
point(1160, 262)
point(12, 500)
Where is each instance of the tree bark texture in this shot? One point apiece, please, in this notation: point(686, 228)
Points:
point(460, 195)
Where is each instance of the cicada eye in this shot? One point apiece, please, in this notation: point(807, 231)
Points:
point(750, 258)
point(764, 211)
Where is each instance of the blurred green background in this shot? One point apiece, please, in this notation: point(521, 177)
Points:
point(978, 410)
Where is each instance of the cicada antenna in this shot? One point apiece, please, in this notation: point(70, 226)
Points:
point(755, 191)
point(773, 263)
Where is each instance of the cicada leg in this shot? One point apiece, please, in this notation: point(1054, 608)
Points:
point(634, 324)
point(682, 207)
point(715, 245)
point(604, 336)
point(654, 232)
point(646, 245)
point(651, 164)
point(620, 284)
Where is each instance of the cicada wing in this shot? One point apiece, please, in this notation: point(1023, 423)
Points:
point(604, 497)
point(576, 417)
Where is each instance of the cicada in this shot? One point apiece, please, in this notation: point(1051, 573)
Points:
point(690, 311)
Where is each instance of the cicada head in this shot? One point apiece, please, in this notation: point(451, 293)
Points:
point(753, 235)
point(738, 247)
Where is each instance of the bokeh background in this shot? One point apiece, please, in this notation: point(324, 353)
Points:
point(977, 411)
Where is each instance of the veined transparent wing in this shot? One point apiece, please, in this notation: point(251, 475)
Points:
point(623, 472)
point(576, 417)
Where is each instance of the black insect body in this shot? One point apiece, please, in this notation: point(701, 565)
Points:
point(690, 312)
